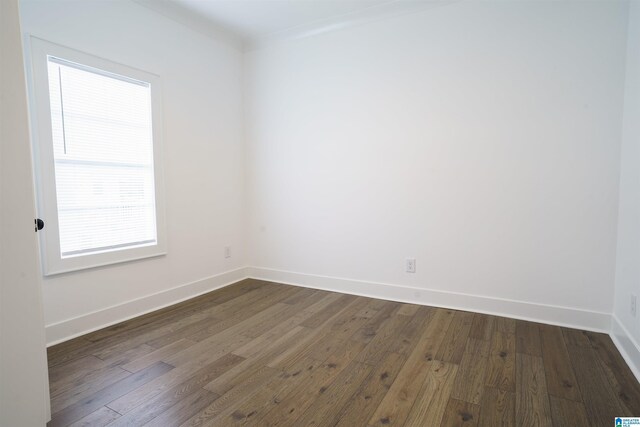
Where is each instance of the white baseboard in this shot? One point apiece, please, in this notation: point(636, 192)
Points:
point(550, 314)
point(74, 327)
point(627, 345)
point(555, 315)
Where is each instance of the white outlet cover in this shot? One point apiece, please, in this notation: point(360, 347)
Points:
point(411, 265)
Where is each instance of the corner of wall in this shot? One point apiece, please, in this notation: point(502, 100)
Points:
point(627, 346)
point(624, 330)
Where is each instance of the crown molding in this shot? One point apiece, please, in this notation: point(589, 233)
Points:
point(217, 31)
point(389, 9)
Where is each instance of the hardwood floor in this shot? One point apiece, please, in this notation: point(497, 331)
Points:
point(264, 354)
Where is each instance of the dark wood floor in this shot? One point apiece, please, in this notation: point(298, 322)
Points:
point(266, 354)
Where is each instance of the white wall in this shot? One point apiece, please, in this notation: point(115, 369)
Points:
point(481, 138)
point(628, 253)
point(24, 387)
point(203, 154)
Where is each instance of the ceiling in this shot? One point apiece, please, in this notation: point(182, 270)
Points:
point(257, 18)
point(253, 21)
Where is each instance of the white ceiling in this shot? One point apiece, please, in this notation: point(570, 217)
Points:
point(258, 18)
point(253, 21)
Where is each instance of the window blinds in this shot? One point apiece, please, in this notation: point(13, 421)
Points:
point(103, 155)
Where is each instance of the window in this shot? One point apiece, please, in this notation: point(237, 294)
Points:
point(98, 157)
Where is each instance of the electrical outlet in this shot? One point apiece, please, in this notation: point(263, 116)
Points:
point(634, 303)
point(411, 265)
point(227, 251)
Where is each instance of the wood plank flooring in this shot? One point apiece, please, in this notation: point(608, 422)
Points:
point(265, 354)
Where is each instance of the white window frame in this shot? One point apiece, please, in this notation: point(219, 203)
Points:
point(37, 73)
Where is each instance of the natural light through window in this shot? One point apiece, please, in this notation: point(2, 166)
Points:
point(102, 136)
